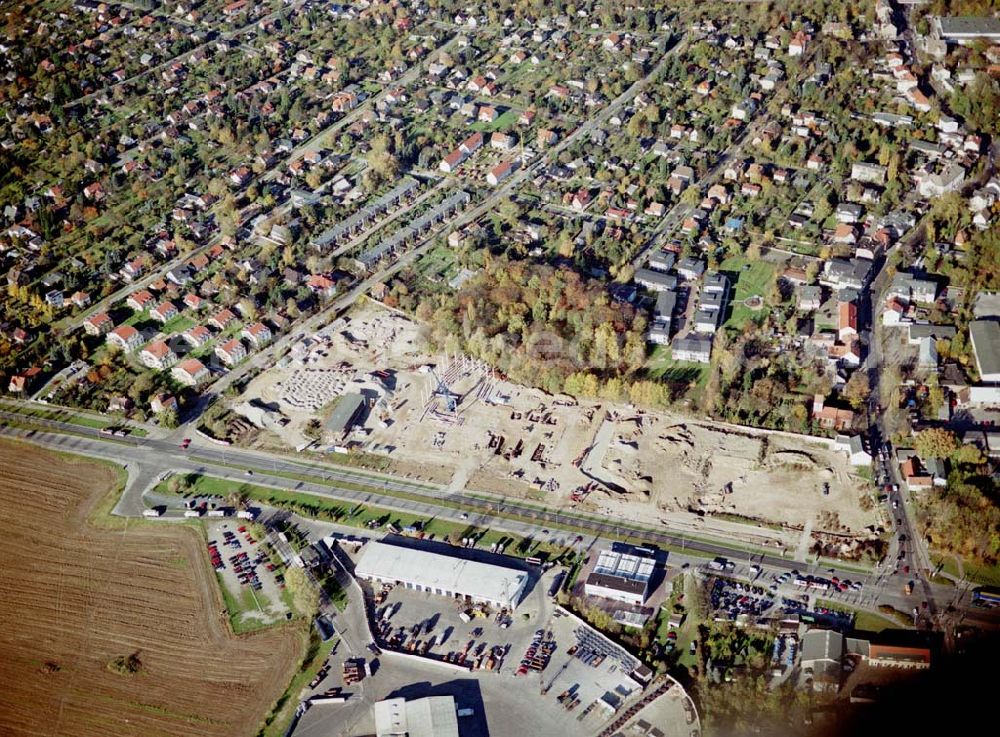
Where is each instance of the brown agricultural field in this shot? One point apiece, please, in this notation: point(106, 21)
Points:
point(77, 596)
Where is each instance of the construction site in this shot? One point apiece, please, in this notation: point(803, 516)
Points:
point(367, 383)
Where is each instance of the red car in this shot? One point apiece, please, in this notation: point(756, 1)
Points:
point(185, 443)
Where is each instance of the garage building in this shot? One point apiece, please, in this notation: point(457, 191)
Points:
point(441, 574)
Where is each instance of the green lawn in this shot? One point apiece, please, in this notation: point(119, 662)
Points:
point(316, 654)
point(863, 620)
point(62, 414)
point(178, 324)
point(440, 260)
point(362, 515)
point(137, 318)
point(753, 278)
point(987, 575)
point(238, 607)
point(660, 365)
point(502, 123)
point(688, 630)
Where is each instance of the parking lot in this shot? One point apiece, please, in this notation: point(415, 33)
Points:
point(536, 670)
point(589, 675)
point(769, 595)
point(733, 599)
point(253, 584)
point(452, 630)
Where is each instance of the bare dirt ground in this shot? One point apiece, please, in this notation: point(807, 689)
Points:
point(599, 457)
point(701, 467)
point(76, 597)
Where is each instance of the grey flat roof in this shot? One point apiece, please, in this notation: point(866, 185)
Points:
point(648, 276)
point(345, 412)
point(968, 26)
point(985, 336)
point(822, 645)
point(666, 303)
point(432, 716)
point(693, 343)
point(926, 330)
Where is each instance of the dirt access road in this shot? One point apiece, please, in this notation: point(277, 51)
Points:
point(76, 597)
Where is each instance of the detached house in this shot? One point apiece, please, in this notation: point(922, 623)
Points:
point(197, 336)
point(140, 301)
point(240, 176)
point(844, 234)
point(546, 137)
point(133, 269)
point(222, 319)
point(99, 324)
point(500, 172)
point(797, 46)
point(831, 418)
point(322, 286)
point(190, 372)
point(157, 355)
point(164, 312)
point(258, 334)
point(125, 337)
point(80, 299)
point(501, 141)
point(231, 352)
point(19, 383)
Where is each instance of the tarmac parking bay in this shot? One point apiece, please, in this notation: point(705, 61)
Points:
point(505, 704)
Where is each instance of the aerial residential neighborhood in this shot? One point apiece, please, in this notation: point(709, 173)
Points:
point(434, 368)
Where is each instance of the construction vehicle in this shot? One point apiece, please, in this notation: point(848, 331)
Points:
point(353, 671)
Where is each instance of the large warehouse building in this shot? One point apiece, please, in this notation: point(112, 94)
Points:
point(622, 574)
point(441, 574)
point(433, 716)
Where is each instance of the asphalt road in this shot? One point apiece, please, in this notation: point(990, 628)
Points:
point(148, 459)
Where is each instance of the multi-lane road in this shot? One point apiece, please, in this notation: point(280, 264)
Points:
point(150, 459)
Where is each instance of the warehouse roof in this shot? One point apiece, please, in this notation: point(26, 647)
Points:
point(481, 581)
point(345, 412)
point(967, 26)
point(822, 645)
point(985, 336)
point(433, 716)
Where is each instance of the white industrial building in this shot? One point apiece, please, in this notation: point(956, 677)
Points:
point(440, 574)
point(433, 716)
point(622, 574)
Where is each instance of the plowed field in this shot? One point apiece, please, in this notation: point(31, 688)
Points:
point(74, 597)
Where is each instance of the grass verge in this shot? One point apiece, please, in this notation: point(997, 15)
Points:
point(280, 717)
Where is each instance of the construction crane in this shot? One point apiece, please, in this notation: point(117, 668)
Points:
point(442, 390)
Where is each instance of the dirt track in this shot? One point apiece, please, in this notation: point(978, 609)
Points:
point(75, 597)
